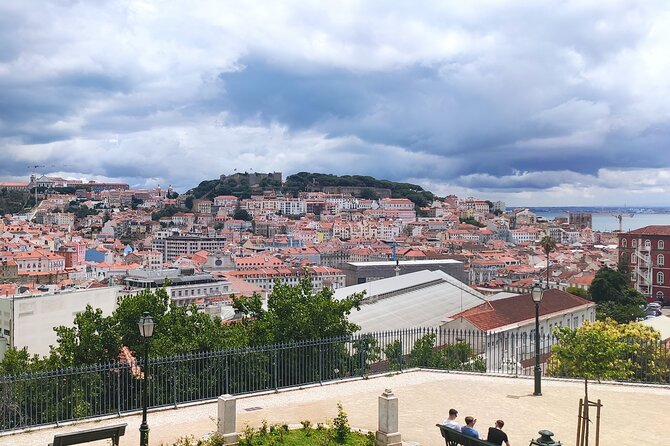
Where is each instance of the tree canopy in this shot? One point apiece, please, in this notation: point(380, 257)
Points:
point(614, 297)
point(296, 313)
point(608, 350)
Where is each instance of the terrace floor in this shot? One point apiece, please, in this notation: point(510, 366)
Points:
point(424, 399)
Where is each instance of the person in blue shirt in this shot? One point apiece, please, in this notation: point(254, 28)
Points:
point(469, 428)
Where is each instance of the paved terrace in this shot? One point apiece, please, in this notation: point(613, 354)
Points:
point(424, 399)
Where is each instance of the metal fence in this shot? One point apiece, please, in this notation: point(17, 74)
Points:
point(35, 399)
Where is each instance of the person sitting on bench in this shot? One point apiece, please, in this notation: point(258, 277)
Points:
point(496, 435)
point(469, 428)
point(451, 420)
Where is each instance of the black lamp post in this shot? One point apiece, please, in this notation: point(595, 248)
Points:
point(536, 293)
point(146, 326)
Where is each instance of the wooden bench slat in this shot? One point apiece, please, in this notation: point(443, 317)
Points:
point(86, 436)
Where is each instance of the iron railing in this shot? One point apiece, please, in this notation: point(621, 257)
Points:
point(49, 397)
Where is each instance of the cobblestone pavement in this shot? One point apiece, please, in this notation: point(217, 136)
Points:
point(424, 399)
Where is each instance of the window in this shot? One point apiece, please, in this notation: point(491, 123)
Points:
point(624, 243)
point(632, 276)
point(660, 260)
point(660, 277)
point(659, 295)
point(633, 258)
point(661, 244)
point(634, 243)
point(647, 243)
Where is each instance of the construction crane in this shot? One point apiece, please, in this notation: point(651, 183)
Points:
point(620, 217)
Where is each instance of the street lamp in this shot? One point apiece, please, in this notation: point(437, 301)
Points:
point(146, 326)
point(536, 293)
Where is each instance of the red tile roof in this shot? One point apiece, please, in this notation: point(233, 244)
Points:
point(652, 230)
point(498, 313)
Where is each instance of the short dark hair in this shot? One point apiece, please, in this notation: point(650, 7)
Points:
point(453, 412)
point(500, 423)
point(469, 419)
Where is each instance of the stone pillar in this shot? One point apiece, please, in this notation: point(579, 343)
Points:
point(387, 433)
point(227, 417)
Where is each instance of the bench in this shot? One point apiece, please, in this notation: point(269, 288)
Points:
point(101, 433)
point(453, 438)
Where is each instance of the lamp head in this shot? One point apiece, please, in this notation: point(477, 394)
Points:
point(146, 325)
point(536, 293)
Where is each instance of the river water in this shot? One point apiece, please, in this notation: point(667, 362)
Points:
point(607, 222)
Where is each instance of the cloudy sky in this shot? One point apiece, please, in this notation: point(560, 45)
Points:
point(534, 103)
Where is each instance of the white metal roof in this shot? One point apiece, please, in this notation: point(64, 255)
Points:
point(405, 262)
point(420, 299)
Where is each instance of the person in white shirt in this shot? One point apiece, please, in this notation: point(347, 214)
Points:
point(451, 420)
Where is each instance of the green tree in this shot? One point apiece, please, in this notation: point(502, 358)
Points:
point(472, 221)
point(242, 214)
point(393, 354)
point(608, 285)
point(608, 350)
point(576, 291)
point(615, 299)
point(622, 266)
point(548, 244)
point(93, 339)
point(458, 356)
point(297, 313)
point(627, 309)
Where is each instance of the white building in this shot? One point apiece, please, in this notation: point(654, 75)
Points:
point(29, 321)
point(509, 326)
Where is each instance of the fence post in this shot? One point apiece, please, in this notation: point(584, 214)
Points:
point(274, 368)
point(57, 405)
point(364, 351)
point(387, 432)
point(174, 380)
point(400, 354)
point(320, 363)
point(227, 418)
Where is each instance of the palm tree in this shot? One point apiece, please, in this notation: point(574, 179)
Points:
point(548, 244)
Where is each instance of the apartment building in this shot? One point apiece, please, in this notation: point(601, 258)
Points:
point(39, 261)
point(185, 286)
point(647, 253)
point(265, 278)
point(174, 246)
point(401, 208)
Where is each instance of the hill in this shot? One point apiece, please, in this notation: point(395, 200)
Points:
point(12, 202)
point(368, 187)
point(361, 186)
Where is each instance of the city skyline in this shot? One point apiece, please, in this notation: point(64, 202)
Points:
point(537, 105)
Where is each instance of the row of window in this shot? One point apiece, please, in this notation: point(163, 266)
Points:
point(647, 243)
point(660, 277)
point(212, 290)
point(660, 259)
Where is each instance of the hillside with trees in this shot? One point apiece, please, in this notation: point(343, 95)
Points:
point(12, 202)
point(306, 181)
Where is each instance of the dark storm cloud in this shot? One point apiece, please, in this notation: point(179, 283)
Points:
point(416, 108)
